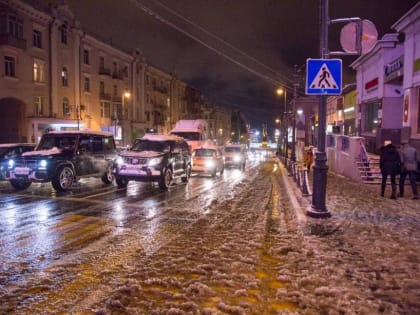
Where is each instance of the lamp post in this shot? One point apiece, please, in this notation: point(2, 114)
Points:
point(318, 208)
point(283, 91)
point(125, 94)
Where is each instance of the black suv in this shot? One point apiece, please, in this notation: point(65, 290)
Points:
point(10, 151)
point(62, 157)
point(154, 158)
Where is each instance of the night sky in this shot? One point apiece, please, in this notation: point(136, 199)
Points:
point(254, 43)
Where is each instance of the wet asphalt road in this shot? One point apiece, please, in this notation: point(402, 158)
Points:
point(49, 238)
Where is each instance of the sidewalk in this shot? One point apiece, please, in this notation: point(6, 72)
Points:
point(370, 242)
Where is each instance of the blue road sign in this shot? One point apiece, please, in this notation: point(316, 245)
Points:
point(323, 76)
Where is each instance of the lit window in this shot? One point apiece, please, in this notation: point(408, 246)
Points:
point(38, 106)
point(39, 72)
point(64, 77)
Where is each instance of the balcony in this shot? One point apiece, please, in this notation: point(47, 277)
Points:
point(105, 96)
point(117, 99)
point(104, 71)
point(9, 40)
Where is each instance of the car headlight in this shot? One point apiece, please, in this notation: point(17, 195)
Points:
point(210, 164)
point(237, 158)
point(11, 164)
point(119, 161)
point(154, 161)
point(42, 165)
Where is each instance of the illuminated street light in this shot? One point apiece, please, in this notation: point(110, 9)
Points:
point(282, 91)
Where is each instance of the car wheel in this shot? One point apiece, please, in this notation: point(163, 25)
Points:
point(187, 174)
point(213, 173)
point(121, 182)
point(64, 179)
point(222, 170)
point(20, 185)
point(108, 177)
point(166, 179)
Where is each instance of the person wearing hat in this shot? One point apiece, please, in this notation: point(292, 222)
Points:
point(409, 158)
point(390, 164)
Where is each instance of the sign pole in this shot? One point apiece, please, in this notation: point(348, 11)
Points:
point(318, 208)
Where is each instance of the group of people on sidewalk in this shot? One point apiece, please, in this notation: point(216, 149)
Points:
point(401, 162)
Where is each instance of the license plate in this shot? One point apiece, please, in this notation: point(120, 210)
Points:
point(21, 171)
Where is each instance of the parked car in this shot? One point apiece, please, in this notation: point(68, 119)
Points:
point(208, 159)
point(10, 151)
point(235, 156)
point(62, 157)
point(154, 158)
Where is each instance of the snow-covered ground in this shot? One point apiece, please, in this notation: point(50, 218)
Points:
point(250, 255)
point(247, 251)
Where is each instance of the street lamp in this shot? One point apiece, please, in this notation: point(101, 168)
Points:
point(125, 94)
point(282, 91)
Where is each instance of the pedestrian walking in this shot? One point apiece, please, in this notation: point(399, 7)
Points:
point(390, 164)
point(309, 159)
point(409, 157)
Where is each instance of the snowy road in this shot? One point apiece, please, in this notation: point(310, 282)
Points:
point(229, 245)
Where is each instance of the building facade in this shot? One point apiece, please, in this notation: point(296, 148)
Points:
point(56, 76)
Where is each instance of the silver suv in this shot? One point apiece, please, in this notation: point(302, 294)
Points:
point(154, 158)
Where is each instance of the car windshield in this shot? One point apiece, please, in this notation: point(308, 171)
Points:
point(233, 149)
point(204, 152)
point(147, 145)
point(190, 136)
point(63, 142)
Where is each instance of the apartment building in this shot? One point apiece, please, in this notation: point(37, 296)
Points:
point(57, 76)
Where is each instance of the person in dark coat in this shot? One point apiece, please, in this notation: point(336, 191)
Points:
point(390, 164)
point(409, 158)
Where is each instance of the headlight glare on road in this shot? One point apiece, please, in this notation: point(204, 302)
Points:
point(154, 161)
point(42, 164)
point(210, 164)
point(11, 164)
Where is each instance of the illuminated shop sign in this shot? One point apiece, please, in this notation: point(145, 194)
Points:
point(394, 69)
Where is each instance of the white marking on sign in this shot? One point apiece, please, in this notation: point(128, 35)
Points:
point(324, 79)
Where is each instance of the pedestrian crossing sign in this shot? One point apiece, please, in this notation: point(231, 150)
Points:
point(323, 76)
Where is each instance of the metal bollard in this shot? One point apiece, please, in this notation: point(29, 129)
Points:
point(306, 190)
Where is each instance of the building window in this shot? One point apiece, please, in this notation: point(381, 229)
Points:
point(86, 84)
point(14, 26)
point(37, 39)
point(39, 71)
point(66, 107)
point(147, 116)
point(372, 120)
point(38, 106)
point(64, 77)
point(105, 110)
point(9, 66)
point(102, 87)
point(86, 57)
point(63, 33)
point(115, 90)
point(115, 67)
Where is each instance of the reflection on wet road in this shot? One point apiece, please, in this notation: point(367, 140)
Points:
point(62, 240)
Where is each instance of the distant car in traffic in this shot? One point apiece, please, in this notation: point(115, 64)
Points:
point(10, 151)
point(208, 159)
point(154, 158)
point(62, 157)
point(235, 156)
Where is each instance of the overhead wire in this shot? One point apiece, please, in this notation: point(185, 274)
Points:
point(275, 73)
point(159, 17)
